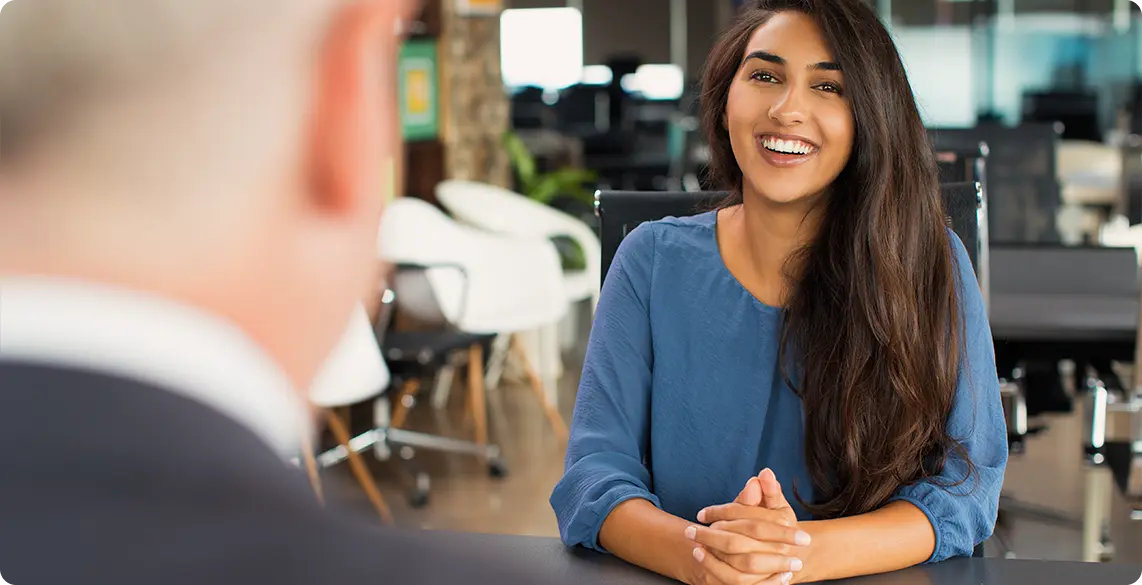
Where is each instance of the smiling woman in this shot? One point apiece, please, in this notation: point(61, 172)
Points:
point(800, 385)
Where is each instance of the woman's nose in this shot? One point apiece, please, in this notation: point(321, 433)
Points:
point(789, 110)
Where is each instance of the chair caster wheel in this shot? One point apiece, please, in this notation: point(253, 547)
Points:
point(497, 468)
point(418, 499)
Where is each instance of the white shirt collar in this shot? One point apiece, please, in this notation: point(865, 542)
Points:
point(156, 341)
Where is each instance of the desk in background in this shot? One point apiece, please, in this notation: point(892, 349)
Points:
point(550, 556)
point(1050, 303)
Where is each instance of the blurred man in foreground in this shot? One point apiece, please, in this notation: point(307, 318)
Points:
point(190, 192)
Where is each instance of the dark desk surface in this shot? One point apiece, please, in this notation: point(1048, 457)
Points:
point(1077, 295)
point(589, 568)
point(1058, 317)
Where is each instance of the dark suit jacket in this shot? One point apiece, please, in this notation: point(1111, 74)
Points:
point(106, 480)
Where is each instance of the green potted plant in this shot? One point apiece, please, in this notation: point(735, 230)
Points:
point(545, 187)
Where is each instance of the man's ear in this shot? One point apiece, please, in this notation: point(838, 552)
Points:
point(348, 115)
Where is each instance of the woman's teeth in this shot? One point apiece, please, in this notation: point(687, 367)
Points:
point(787, 146)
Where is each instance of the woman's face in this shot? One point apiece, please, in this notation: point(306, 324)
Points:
point(789, 120)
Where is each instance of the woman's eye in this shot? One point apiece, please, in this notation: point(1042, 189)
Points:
point(830, 87)
point(762, 76)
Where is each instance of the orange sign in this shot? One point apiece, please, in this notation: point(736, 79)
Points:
point(479, 7)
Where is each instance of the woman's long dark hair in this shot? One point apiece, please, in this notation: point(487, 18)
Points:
point(873, 315)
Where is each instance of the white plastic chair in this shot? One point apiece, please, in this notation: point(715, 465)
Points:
point(353, 372)
point(478, 282)
point(484, 283)
point(502, 211)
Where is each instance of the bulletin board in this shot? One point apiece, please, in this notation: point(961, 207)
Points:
point(419, 91)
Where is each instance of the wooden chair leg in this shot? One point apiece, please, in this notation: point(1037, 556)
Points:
point(310, 462)
point(400, 411)
point(549, 409)
point(341, 433)
point(477, 401)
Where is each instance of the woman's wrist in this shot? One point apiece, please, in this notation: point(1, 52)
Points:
point(813, 569)
point(641, 534)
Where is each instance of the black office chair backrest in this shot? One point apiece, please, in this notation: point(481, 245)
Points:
point(1020, 179)
point(959, 165)
point(619, 212)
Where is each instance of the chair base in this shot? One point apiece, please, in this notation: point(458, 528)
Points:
point(386, 440)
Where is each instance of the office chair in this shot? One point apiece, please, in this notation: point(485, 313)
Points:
point(406, 358)
point(478, 282)
point(620, 212)
point(1021, 181)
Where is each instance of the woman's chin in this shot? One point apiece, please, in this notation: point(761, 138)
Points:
point(786, 195)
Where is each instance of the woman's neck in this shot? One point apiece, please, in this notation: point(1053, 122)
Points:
point(762, 238)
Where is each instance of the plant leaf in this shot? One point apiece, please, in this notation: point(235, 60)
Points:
point(521, 159)
point(546, 188)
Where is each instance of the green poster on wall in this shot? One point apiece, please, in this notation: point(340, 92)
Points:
point(418, 90)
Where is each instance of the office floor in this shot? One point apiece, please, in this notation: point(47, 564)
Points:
point(1049, 474)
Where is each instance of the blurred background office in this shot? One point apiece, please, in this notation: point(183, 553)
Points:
point(515, 112)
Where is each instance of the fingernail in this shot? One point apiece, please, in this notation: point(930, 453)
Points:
point(802, 538)
point(699, 554)
point(796, 565)
point(702, 515)
point(786, 578)
point(691, 532)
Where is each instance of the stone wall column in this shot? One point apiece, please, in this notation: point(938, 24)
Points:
point(475, 110)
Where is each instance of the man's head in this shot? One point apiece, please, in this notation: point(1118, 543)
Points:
point(231, 155)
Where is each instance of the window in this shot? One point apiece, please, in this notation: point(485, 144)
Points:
point(541, 47)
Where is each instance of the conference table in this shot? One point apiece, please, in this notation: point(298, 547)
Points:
point(564, 564)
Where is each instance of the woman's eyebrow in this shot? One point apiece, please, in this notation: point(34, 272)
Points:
point(778, 60)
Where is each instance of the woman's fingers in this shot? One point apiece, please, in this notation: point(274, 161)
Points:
point(751, 494)
point(772, 497)
point(748, 536)
point(761, 564)
point(747, 555)
point(718, 572)
point(725, 541)
point(734, 511)
point(769, 532)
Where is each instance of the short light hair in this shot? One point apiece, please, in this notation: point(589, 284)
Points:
point(57, 56)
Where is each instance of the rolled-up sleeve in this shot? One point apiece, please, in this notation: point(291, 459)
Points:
point(610, 427)
point(963, 513)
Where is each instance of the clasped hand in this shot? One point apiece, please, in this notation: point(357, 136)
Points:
point(755, 540)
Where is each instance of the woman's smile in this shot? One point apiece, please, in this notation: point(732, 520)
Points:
point(783, 150)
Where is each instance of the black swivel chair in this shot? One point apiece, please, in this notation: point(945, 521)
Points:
point(410, 357)
point(619, 212)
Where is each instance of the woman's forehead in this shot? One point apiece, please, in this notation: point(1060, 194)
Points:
point(793, 36)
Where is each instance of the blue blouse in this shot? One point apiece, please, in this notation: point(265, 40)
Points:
point(681, 399)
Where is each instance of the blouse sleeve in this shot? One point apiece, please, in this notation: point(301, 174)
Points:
point(610, 427)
